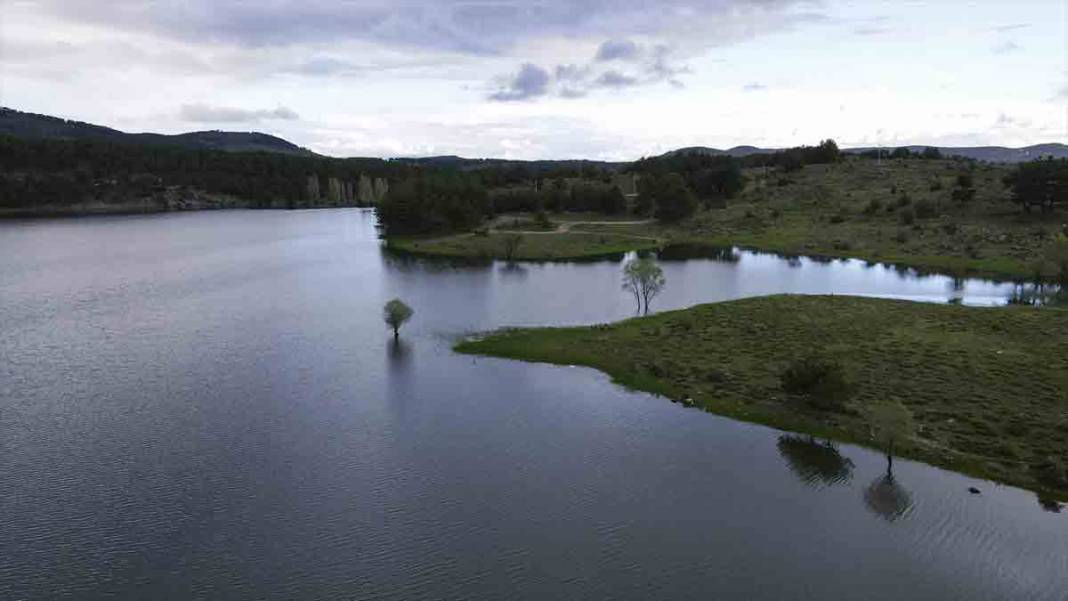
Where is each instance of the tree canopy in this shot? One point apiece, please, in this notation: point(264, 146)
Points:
point(433, 202)
point(1042, 183)
point(395, 313)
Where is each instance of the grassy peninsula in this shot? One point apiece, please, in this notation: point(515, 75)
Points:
point(982, 391)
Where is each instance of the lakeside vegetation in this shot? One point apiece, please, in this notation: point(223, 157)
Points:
point(533, 246)
point(918, 210)
point(983, 391)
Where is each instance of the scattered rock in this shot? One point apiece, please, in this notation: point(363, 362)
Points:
point(974, 490)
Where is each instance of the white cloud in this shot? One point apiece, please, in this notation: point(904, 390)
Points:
point(204, 113)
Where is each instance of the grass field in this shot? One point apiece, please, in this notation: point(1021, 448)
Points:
point(900, 212)
point(983, 391)
point(533, 247)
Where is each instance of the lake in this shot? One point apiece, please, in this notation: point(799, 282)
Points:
point(208, 406)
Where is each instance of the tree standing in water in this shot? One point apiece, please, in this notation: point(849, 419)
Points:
point(644, 278)
point(395, 314)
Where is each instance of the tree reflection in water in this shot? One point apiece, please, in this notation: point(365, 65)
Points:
point(816, 463)
point(885, 496)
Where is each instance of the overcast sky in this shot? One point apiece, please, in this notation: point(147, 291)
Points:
point(603, 79)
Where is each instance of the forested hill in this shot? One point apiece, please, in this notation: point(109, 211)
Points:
point(31, 126)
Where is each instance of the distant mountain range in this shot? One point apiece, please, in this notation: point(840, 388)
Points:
point(993, 154)
point(33, 126)
point(30, 125)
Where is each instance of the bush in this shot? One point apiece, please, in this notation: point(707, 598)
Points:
point(963, 195)
point(819, 381)
point(542, 220)
point(925, 208)
point(873, 206)
point(907, 216)
point(936, 185)
point(904, 200)
point(902, 236)
point(838, 218)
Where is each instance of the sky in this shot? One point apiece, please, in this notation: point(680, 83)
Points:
point(547, 79)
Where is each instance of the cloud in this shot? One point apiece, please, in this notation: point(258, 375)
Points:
point(623, 50)
point(867, 31)
point(203, 113)
point(754, 87)
point(1006, 47)
point(1010, 27)
point(487, 27)
point(1009, 121)
point(530, 82)
point(325, 66)
point(615, 79)
point(578, 80)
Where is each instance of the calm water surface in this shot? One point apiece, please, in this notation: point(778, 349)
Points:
point(208, 406)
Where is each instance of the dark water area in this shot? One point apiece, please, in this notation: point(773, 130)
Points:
point(209, 406)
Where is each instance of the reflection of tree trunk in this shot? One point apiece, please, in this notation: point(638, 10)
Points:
point(890, 458)
point(396, 332)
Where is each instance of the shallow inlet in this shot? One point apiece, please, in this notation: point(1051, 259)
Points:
point(209, 405)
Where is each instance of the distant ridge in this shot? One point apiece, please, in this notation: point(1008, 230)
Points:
point(33, 126)
point(993, 154)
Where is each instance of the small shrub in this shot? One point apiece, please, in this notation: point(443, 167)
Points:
point(716, 375)
point(907, 216)
point(893, 189)
point(904, 200)
point(837, 218)
point(950, 228)
point(936, 185)
point(873, 206)
point(902, 236)
point(925, 208)
point(842, 245)
point(963, 195)
point(542, 220)
point(819, 381)
point(1050, 472)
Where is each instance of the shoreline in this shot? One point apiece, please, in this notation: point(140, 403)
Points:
point(936, 265)
point(130, 208)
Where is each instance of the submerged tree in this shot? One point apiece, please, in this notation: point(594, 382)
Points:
point(644, 278)
point(395, 314)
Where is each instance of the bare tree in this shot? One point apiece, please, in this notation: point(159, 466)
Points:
point(644, 278)
point(395, 313)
